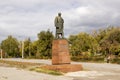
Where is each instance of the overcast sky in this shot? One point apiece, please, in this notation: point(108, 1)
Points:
point(26, 18)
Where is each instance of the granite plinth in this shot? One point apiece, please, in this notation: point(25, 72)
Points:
point(64, 68)
point(60, 52)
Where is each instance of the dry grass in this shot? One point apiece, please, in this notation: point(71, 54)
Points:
point(18, 64)
point(38, 69)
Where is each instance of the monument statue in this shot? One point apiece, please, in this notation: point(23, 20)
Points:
point(60, 51)
point(59, 26)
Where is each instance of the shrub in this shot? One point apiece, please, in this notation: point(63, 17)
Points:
point(87, 59)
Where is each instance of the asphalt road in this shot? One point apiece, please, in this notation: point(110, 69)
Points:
point(92, 71)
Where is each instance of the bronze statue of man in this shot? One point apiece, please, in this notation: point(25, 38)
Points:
point(59, 26)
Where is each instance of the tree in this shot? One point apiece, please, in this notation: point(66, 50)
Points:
point(44, 44)
point(10, 46)
point(110, 43)
point(81, 43)
point(100, 34)
point(34, 49)
point(27, 47)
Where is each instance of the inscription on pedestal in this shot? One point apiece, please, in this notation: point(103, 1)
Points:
point(64, 46)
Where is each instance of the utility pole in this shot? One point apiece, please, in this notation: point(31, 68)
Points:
point(1, 54)
point(22, 49)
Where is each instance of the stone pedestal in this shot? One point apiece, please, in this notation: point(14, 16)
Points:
point(60, 52)
point(61, 58)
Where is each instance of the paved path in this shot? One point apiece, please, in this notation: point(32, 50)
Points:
point(8, 73)
point(97, 71)
point(93, 71)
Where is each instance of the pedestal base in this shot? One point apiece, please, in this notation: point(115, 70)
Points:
point(64, 68)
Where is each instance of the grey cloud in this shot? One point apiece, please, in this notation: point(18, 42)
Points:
point(95, 15)
point(26, 18)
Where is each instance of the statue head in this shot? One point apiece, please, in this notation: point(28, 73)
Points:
point(59, 14)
